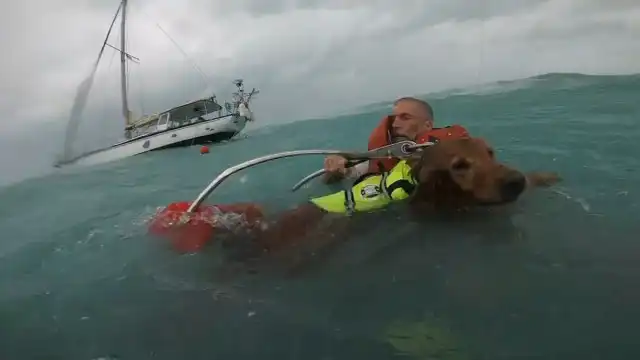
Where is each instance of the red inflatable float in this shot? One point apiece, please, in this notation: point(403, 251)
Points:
point(189, 232)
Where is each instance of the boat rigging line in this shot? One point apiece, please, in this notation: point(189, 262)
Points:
point(206, 79)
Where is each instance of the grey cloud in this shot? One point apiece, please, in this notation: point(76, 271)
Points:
point(308, 64)
point(388, 48)
point(34, 70)
point(599, 5)
point(429, 10)
point(595, 30)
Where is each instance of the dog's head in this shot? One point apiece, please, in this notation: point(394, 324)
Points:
point(462, 173)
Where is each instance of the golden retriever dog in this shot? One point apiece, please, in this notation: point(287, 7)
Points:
point(451, 175)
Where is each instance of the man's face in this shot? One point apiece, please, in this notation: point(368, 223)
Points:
point(410, 119)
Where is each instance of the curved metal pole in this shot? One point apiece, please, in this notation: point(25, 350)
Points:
point(253, 162)
point(316, 174)
point(399, 149)
point(307, 178)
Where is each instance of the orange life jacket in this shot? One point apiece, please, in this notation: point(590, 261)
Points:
point(381, 136)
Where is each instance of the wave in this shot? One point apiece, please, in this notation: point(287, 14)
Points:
point(548, 82)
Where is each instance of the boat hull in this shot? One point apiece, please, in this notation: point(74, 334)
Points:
point(210, 131)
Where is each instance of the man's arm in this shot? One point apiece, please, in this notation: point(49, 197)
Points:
point(330, 178)
point(356, 171)
point(352, 173)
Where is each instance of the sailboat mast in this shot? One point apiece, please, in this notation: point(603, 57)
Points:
point(123, 64)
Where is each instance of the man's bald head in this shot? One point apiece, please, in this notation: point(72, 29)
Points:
point(411, 117)
point(421, 104)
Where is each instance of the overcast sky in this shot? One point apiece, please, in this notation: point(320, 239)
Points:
point(308, 57)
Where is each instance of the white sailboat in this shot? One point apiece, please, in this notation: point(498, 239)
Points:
point(198, 122)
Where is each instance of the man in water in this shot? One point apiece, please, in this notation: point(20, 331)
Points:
point(411, 119)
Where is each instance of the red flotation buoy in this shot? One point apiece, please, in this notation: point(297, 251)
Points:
point(190, 232)
point(204, 150)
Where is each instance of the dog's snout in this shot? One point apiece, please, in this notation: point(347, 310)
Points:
point(512, 186)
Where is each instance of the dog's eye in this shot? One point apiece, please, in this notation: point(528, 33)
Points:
point(491, 152)
point(460, 165)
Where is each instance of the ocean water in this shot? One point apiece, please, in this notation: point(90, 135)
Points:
point(554, 276)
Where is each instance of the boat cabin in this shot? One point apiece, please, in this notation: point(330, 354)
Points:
point(190, 113)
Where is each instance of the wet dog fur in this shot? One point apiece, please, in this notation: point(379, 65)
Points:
point(452, 175)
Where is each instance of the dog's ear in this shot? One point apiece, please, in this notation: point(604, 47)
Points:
point(435, 185)
point(423, 162)
point(432, 169)
point(414, 159)
point(417, 163)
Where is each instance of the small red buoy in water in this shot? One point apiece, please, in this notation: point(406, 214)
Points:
point(204, 150)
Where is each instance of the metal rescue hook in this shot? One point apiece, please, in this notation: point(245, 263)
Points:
point(400, 149)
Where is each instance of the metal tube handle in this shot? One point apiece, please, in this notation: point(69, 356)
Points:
point(253, 162)
point(401, 149)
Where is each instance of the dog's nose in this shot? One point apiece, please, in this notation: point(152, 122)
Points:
point(512, 186)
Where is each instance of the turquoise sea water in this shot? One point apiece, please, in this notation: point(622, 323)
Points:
point(553, 277)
